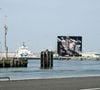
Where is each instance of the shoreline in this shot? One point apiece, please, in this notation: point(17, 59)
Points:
point(48, 78)
point(57, 78)
point(74, 83)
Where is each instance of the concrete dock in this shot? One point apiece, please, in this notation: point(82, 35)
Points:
point(76, 83)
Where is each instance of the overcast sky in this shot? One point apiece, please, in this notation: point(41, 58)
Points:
point(39, 22)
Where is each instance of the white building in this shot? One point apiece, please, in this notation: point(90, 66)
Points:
point(91, 55)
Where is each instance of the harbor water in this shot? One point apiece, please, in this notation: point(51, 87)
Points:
point(61, 69)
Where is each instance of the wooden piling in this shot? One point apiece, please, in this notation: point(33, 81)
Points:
point(13, 62)
point(46, 59)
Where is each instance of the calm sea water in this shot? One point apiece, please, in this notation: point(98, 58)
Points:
point(62, 68)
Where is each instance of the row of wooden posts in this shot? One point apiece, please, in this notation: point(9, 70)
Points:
point(13, 62)
point(45, 62)
point(46, 59)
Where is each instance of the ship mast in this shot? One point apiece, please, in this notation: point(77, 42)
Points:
point(5, 41)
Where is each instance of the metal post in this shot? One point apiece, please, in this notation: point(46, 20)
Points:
point(6, 48)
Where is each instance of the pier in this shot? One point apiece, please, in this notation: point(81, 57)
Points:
point(13, 62)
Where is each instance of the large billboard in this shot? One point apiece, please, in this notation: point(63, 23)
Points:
point(69, 45)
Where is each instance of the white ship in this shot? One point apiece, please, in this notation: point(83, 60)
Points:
point(24, 51)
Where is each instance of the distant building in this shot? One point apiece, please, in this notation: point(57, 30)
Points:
point(91, 55)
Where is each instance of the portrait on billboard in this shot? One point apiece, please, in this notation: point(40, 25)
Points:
point(69, 45)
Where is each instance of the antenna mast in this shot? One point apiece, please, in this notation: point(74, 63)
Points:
point(6, 28)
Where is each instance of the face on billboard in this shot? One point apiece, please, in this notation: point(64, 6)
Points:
point(69, 45)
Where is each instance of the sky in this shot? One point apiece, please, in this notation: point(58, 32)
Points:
point(39, 22)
